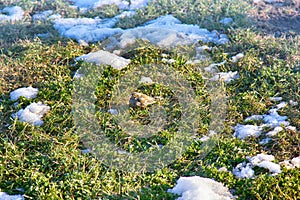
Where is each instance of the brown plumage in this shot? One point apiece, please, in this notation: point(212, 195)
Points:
point(138, 99)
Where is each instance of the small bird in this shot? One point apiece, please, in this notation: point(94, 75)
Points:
point(138, 99)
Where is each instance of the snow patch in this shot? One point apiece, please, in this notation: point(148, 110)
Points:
point(14, 13)
point(27, 92)
point(122, 4)
point(105, 58)
point(226, 76)
point(244, 131)
point(5, 196)
point(198, 188)
point(237, 57)
point(243, 170)
point(226, 20)
point(32, 114)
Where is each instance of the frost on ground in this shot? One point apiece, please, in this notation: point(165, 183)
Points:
point(32, 114)
point(165, 31)
point(271, 120)
point(245, 170)
point(105, 58)
point(5, 196)
point(198, 188)
point(27, 92)
point(14, 13)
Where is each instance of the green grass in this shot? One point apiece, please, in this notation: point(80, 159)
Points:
point(47, 163)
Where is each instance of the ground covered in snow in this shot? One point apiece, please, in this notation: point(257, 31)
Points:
point(242, 70)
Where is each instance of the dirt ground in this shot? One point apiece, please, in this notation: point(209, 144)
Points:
point(278, 17)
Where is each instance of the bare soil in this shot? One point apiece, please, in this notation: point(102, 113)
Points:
point(280, 17)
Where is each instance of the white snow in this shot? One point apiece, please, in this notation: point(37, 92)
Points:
point(32, 114)
point(272, 120)
point(27, 92)
point(165, 31)
point(105, 58)
point(291, 164)
point(86, 29)
point(198, 188)
point(14, 13)
point(226, 76)
point(293, 103)
point(265, 161)
point(122, 4)
point(169, 61)
point(281, 105)
point(255, 160)
point(272, 167)
point(276, 130)
point(296, 161)
point(275, 98)
point(145, 79)
point(42, 16)
point(226, 20)
point(244, 131)
point(237, 57)
point(212, 68)
point(243, 170)
point(5, 196)
point(113, 111)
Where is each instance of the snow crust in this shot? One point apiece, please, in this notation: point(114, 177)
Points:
point(27, 92)
point(165, 31)
point(14, 13)
point(122, 4)
point(198, 188)
point(104, 57)
point(226, 76)
point(33, 113)
point(272, 120)
point(245, 170)
point(5, 196)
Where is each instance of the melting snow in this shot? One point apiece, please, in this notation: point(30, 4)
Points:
point(32, 114)
point(226, 76)
point(104, 57)
point(14, 13)
point(275, 98)
point(5, 196)
point(122, 4)
point(198, 188)
point(165, 31)
point(243, 131)
point(226, 20)
point(28, 93)
point(113, 111)
point(237, 57)
point(245, 170)
point(145, 79)
point(273, 120)
point(265, 161)
point(42, 16)
point(291, 164)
